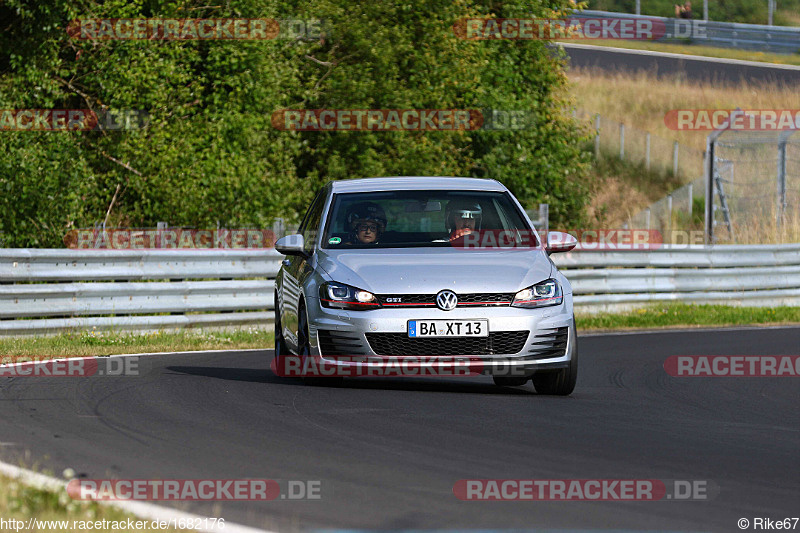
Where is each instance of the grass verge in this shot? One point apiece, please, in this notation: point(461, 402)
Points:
point(21, 502)
point(688, 315)
point(655, 316)
point(93, 343)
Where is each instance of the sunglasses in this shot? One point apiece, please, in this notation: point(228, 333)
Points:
point(371, 227)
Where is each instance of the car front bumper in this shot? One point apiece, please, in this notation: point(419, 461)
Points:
point(346, 340)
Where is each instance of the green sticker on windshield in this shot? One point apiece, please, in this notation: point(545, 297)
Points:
point(334, 240)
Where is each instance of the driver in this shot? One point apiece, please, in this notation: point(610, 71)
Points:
point(366, 221)
point(462, 217)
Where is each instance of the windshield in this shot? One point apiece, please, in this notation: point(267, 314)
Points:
point(430, 218)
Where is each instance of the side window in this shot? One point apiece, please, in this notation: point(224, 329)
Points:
point(311, 222)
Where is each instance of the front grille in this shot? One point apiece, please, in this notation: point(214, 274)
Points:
point(340, 343)
point(499, 342)
point(549, 343)
point(478, 299)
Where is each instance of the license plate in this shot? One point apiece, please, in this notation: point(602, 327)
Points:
point(448, 328)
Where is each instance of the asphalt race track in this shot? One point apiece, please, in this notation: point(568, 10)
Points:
point(690, 67)
point(389, 451)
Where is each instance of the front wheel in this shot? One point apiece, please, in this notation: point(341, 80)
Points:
point(281, 349)
point(560, 382)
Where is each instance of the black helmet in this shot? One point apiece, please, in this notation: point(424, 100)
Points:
point(365, 212)
point(462, 208)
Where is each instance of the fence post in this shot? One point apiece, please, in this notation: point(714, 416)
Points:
point(691, 202)
point(622, 141)
point(544, 216)
point(782, 177)
point(675, 159)
point(597, 136)
point(278, 228)
point(709, 172)
point(647, 151)
point(669, 217)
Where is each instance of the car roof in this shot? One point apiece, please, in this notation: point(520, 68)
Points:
point(395, 183)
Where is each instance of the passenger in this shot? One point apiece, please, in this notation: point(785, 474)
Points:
point(367, 222)
point(463, 217)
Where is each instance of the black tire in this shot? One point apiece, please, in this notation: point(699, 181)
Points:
point(560, 382)
point(281, 349)
point(510, 381)
point(304, 351)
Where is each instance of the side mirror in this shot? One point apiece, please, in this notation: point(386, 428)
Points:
point(291, 245)
point(558, 241)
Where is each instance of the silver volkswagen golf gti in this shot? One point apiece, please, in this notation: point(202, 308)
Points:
point(405, 272)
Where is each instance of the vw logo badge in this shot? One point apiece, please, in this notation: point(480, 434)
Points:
point(446, 300)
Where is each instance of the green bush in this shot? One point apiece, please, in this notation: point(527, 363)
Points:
point(210, 154)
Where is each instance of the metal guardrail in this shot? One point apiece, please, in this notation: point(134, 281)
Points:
point(781, 39)
point(757, 275)
point(46, 291)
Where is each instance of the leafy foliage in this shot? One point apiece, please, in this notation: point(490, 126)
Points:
point(210, 154)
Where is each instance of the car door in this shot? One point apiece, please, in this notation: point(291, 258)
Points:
point(296, 269)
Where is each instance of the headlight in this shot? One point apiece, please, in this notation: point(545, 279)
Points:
point(540, 295)
point(341, 296)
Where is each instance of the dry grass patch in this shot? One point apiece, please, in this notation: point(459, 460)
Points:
point(641, 100)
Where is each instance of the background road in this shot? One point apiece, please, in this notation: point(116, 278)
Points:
point(690, 67)
point(388, 451)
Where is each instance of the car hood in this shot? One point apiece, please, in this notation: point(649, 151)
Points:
point(414, 271)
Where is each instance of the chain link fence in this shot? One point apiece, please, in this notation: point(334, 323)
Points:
point(655, 153)
point(755, 185)
point(677, 210)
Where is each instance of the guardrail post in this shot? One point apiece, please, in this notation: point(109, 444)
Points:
point(622, 141)
point(691, 201)
point(647, 218)
point(160, 228)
